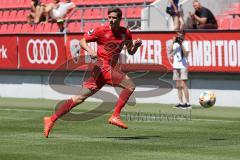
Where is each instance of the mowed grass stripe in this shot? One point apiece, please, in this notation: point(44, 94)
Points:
point(21, 136)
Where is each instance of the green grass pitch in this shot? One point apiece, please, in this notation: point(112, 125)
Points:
point(156, 132)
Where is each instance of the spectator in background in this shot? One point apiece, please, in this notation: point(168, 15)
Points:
point(203, 18)
point(178, 53)
point(177, 15)
point(35, 15)
point(58, 11)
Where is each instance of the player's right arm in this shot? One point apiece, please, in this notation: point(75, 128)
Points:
point(90, 36)
point(84, 45)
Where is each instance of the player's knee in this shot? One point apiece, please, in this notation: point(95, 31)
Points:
point(78, 99)
point(132, 88)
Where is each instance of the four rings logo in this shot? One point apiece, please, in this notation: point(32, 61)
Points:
point(42, 51)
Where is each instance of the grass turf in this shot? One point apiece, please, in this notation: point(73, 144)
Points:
point(211, 134)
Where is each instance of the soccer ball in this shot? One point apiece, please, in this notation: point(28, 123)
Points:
point(207, 99)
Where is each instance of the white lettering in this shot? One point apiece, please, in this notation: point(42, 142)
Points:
point(238, 52)
point(3, 52)
point(137, 57)
point(226, 53)
point(197, 53)
point(207, 53)
point(150, 52)
point(213, 53)
point(144, 52)
point(157, 52)
point(190, 56)
point(232, 53)
point(219, 45)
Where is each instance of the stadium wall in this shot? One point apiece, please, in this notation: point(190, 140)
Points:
point(35, 66)
point(36, 84)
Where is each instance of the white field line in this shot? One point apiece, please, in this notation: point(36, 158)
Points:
point(151, 119)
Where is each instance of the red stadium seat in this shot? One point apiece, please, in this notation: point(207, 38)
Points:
point(74, 27)
point(11, 28)
point(76, 15)
point(25, 3)
point(77, 2)
point(54, 27)
point(27, 28)
point(39, 28)
point(47, 27)
point(22, 15)
point(4, 28)
point(235, 23)
point(235, 5)
point(4, 4)
point(13, 16)
point(1, 14)
point(18, 28)
point(224, 23)
point(133, 12)
point(87, 26)
point(87, 14)
point(5, 16)
point(26, 13)
point(97, 13)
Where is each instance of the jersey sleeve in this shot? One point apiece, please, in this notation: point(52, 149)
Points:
point(128, 35)
point(92, 35)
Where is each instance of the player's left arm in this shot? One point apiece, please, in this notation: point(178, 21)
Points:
point(132, 47)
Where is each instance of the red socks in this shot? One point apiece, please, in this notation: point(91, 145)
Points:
point(63, 109)
point(69, 104)
point(122, 100)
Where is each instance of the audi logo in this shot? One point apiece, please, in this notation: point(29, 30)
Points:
point(42, 51)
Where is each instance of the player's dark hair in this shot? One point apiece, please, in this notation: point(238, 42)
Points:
point(117, 10)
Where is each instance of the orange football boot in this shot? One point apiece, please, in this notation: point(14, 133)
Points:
point(114, 120)
point(48, 124)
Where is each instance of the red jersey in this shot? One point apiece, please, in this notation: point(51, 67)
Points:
point(110, 43)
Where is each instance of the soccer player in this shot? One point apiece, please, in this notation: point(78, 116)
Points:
point(111, 39)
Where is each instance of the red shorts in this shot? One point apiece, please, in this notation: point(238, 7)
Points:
point(100, 77)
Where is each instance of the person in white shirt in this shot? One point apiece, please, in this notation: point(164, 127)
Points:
point(58, 10)
point(179, 50)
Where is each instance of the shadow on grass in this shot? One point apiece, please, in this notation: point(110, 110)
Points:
point(217, 139)
point(133, 137)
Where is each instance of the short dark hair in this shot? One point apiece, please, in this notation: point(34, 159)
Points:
point(117, 10)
